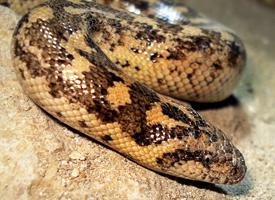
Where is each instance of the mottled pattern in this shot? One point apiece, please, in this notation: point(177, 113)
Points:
point(87, 64)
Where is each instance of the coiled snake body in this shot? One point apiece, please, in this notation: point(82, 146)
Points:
point(87, 64)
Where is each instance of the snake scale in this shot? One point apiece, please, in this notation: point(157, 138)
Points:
point(100, 67)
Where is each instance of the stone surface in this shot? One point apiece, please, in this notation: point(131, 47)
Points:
point(43, 159)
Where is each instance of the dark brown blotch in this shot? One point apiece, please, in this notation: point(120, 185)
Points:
point(199, 121)
point(32, 62)
point(82, 124)
point(195, 43)
point(189, 77)
point(175, 113)
point(147, 33)
point(126, 64)
point(135, 50)
point(107, 138)
point(175, 54)
point(132, 116)
point(112, 47)
point(171, 158)
point(156, 134)
point(59, 114)
point(137, 68)
point(116, 25)
point(214, 35)
point(154, 56)
point(217, 65)
point(161, 81)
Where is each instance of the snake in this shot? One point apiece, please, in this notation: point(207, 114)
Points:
point(122, 72)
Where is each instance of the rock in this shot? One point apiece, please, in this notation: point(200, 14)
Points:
point(75, 155)
point(75, 173)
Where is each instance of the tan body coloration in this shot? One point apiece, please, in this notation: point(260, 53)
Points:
point(72, 58)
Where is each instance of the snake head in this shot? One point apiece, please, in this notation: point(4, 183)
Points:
point(215, 162)
point(229, 163)
point(221, 161)
point(201, 151)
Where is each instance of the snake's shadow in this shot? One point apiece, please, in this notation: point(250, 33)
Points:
point(230, 101)
point(241, 188)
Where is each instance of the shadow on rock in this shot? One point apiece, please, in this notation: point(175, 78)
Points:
point(241, 188)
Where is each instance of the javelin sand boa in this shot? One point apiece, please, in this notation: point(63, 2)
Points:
point(85, 63)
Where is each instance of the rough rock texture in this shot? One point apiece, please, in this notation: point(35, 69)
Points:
point(43, 159)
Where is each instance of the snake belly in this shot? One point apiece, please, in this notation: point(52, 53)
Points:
point(87, 64)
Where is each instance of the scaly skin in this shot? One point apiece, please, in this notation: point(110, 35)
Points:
point(80, 60)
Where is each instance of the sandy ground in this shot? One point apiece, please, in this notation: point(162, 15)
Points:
point(43, 159)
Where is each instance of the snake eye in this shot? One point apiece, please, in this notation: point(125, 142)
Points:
point(207, 159)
